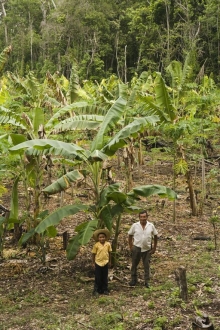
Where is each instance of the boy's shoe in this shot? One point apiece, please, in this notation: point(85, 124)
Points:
point(106, 292)
point(147, 285)
point(132, 283)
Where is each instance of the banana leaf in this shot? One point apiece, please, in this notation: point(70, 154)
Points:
point(14, 200)
point(131, 130)
point(63, 183)
point(81, 238)
point(163, 99)
point(106, 215)
point(149, 190)
point(73, 247)
point(56, 147)
point(82, 122)
point(111, 118)
point(54, 218)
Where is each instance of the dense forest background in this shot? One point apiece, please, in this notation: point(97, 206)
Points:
point(106, 37)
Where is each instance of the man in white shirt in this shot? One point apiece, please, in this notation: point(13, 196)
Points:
point(141, 235)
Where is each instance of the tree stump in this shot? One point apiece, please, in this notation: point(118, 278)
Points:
point(180, 275)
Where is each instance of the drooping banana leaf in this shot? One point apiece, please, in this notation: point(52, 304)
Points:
point(26, 236)
point(149, 190)
point(97, 156)
point(17, 138)
point(87, 232)
point(117, 196)
point(105, 192)
point(73, 247)
point(131, 130)
point(82, 122)
point(14, 121)
point(63, 183)
point(54, 218)
point(57, 147)
point(81, 238)
point(68, 108)
point(106, 216)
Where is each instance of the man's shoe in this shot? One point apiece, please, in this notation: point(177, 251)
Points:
point(95, 293)
point(106, 292)
point(147, 285)
point(132, 283)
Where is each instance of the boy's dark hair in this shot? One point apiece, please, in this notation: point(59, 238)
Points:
point(102, 234)
point(143, 212)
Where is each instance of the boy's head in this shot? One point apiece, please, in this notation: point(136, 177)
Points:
point(104, 233)
point(101, 238)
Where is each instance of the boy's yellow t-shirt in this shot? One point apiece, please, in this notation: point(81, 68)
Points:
point(101, 252)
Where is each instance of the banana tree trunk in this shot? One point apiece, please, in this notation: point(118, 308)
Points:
point(193, 202)
point(115, 240)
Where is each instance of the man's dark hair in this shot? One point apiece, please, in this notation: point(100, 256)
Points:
point(143, 212)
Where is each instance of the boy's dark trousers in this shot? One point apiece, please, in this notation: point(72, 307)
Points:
point(101, 278)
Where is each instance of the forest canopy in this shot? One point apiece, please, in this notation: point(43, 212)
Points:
point(114, 37)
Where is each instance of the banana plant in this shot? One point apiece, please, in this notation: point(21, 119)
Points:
point(24, 110)
point(104, 206)
point(177, 106)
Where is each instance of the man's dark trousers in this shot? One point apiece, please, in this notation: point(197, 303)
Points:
point(137, 255)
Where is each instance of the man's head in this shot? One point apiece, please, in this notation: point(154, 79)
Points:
point(143, 215)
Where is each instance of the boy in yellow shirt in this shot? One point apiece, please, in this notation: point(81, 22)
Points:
point(101, 259)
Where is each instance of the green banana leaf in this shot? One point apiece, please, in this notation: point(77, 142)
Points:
point(163, 99)
point(117, 196)
point(2, 220)
point(51, 231)
point(54, 218)
point(73, 247)
point(74, 83)
point(149, 190)
point(57, 147)
point(26, 236)
point(97, 156)
point(14, 200)
point(17, 138)
point(87, 231)
point(106, 215)
point(38, 119)
point(131, 130)
point(82, 238)
point(105, 192)
point(111, 118)
point(8, 119)
point(68, 108)
point(63, 183)
point(81, 122)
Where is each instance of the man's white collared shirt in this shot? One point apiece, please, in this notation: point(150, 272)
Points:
point(143, 237)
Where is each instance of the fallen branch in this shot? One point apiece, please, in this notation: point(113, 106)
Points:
point(86, 325)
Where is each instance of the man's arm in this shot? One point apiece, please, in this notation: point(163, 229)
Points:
point(130, 241)
point(155, 245)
